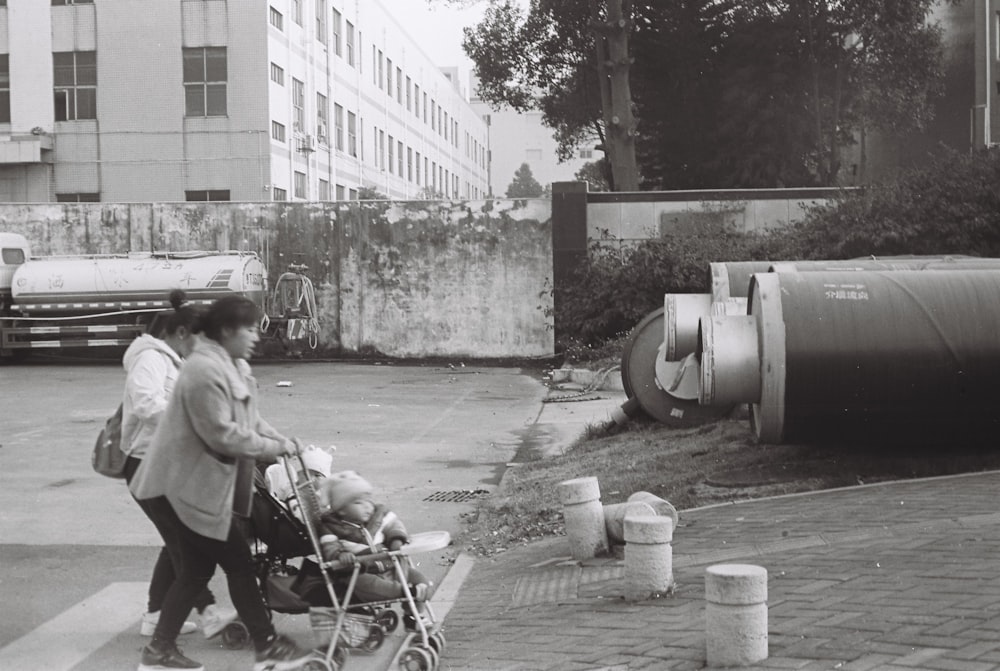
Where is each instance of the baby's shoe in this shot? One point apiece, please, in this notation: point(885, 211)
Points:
point(149, 621)
point(216, 618)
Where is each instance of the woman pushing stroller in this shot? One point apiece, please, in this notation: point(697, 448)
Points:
point(198, 472)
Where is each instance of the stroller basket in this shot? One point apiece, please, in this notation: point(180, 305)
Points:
point(355, 632)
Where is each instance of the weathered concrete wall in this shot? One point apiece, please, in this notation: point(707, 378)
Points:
point(407, 279)
point(640, 216)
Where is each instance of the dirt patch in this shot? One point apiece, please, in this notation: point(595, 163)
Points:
point(716, 463)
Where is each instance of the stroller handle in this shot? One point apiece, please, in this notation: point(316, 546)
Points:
point(363, 560)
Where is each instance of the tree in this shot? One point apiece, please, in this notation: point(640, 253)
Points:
point(524, 185)
point(571, 61)
point(594, 174)
point(730, 93)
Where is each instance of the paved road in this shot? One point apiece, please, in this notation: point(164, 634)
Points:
point(75, 551)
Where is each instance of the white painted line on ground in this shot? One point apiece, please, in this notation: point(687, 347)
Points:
point(76, 633)
point(446, 593)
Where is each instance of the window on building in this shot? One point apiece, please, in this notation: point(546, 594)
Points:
point(321, 21)
point(341, 191)
point(427, 173)
point(78, 197)
point(338, 127)
point(408, 101)
point(277, 74)
point(352, 134)
point(392, 155)
point(586, 153)
point(399, 157)
point(70, 2)
point(375, 53)
point(277, 131)
point(322, 118)
point(349, 42)
point(298, 105)
point(352, 194)
point(380, 159)
point(202, 195)
point(433, 114)
point(335, 27)
point(399, 85)
point(409, 164)
point(277, 19)
point(4, 88)
point(418, 168)
point(205, 81)
point(277, 193)
point(297, 11)
point(434, 175)
point(416, 101)
point(388, 76)
point(324, 189)
point(425, 107)
point(300, 184)
point(75, 79)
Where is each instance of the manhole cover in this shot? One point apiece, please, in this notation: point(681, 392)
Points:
point(457, 495)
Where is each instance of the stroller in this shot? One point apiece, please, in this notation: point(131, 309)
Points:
point(324, 589)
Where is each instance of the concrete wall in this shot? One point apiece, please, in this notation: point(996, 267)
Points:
point(625, 217)
point(407, 279)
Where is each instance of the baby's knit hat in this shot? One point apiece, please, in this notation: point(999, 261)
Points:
point(341, 488)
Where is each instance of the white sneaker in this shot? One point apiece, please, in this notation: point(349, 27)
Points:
point(215, 618)
point(150, 620)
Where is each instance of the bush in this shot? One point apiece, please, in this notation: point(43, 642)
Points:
point(949, 206)
point(616, 287)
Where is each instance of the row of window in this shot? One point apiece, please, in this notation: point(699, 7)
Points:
point(198, 195)
point(74, 75)
point(385, 75)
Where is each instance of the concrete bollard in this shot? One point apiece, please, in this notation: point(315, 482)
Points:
point(649, 556)
point(615, 514)
point(661, 506)
point(584, 517)
point(735, 614)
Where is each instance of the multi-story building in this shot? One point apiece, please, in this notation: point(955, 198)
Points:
point(159, 100)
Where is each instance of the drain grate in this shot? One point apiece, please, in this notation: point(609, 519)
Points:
point(457, 495)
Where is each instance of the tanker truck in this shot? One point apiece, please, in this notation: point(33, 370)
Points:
point(62, 302)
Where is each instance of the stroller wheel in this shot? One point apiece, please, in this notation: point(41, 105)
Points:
point(235, 636)
point(375, 638)
point(437, 642)
point(388, 619)
point(416, 659)
point(318, 664)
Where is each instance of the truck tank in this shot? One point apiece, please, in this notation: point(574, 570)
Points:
point(106, 301)
point(86, 285)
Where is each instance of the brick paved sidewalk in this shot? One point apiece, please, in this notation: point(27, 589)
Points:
point(890, 577)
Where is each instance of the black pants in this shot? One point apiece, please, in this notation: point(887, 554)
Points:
point(199, 555)
point(164, 571)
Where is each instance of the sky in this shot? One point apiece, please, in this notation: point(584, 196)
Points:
point(437, 27)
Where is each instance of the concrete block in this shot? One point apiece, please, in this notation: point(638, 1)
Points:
point(661, 506)
point(584, 517)
point(649, 560)
point(614, 518)
point(735, 615)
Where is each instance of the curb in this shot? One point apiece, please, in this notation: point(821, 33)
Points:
point(606, 380)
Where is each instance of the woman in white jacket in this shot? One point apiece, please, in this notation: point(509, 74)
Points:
point(152, 365)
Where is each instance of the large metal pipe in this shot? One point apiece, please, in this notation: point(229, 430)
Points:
point(881, 355)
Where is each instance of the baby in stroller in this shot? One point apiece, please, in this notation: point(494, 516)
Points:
point(351, 524)
point(355, 562)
